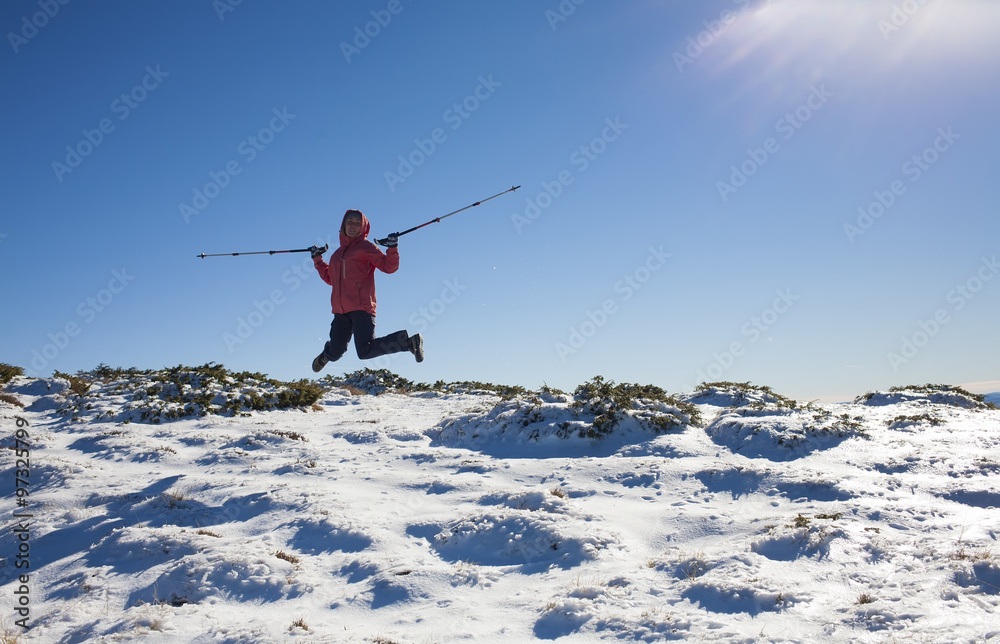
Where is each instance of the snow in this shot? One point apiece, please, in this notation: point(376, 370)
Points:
point(728, 514)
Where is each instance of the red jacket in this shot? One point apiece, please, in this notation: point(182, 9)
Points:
point(351, 271)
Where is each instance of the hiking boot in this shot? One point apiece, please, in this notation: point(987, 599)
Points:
point(319, 362)
point(417, 347)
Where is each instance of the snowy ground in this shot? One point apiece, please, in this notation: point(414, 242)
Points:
point(449, 517)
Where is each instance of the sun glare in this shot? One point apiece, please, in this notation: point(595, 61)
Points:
point(799, 40)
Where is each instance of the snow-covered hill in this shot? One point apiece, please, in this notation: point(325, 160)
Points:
point(186, 506)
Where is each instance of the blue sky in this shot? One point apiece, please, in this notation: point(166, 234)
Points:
point(796, 193)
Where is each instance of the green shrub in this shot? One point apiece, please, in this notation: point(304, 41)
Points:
point(610, 403)
point(974, 401)
point(376, 381)
point(78, 385)
point(746, 390)
point(184, 392)
point(506, 392)
point(9, 372)
point(930, 389)
point(980, 399)
point(106, 373)
point(245, 376)
point(301, 394)
point(914, 419)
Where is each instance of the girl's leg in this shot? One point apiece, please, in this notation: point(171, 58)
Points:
point(368, 345)
point(340, 336)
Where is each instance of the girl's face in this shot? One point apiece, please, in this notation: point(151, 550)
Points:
point(352, 226)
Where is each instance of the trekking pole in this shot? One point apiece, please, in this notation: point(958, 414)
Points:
point(264, 252)
point(382, 242)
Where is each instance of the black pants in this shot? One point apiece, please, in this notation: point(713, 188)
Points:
point(362, 326)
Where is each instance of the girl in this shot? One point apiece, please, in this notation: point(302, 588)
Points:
point(351, 273)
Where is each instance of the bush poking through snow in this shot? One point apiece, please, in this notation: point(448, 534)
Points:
point(903, 421)
point(610, 403)
point(781, 433)
point(739, 394)
point(597, 410)
point(130, 395)
point(506, 392)
point(77, 385)
point(382, 381)
point(12, 400)
point(9, 372)
point(374, 382)
point(926, 395)
point(292, 559)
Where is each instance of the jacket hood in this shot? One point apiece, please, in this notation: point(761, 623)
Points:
point(363, 234)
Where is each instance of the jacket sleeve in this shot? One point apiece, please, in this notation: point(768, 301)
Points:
point(322, 268)
point(387, 263)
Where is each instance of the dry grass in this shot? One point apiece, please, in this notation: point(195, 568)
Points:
point(8, 398)
point(695, 567)
point(281, 554)
point(11, 637)
point(175, 498)
point(295, 436)
point(962, 554)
